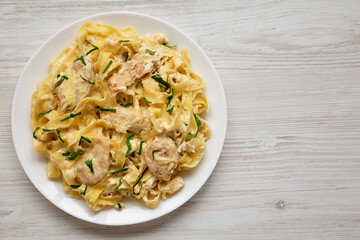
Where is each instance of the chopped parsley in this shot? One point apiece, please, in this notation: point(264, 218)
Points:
point(71, 116)
point(34, 136)
point(106, 109)
point(126, 105)
point(137, 184)
point(128, 145)
point(86, 80)
point(141, 143)
point(74, 155)
point(75, 186)
point(198, 123)
point(121, 170)
point(126, 58)
point(150, 52)
point(119, 205)
point(124, 40)
point(84, 138)
point(81, 58)
point(89, 164)
point(107, 66)
point(44, 113)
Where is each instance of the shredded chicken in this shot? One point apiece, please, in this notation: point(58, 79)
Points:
point(162, 163)
point(129, 119)
point(138, 66)
point(99, 153)
point(81, 87)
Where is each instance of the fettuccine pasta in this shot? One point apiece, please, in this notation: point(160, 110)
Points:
point(118, 115)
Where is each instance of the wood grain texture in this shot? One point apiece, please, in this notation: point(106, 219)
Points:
point(290, 167)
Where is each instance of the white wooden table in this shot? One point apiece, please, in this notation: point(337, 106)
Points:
point(290, 167)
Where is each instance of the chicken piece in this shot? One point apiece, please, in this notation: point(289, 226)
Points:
point(138, 66)
point(100, 155)
point(129, 119)
point(162, 157)
point(171, 186)
point(80, 89)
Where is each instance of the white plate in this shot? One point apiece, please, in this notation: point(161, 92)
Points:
point(34, 163)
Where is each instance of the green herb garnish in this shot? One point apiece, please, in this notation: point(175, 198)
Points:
point(66, 154)
point(91, 44)
point(154, 152)
point(81, 58)
point(71, 116)
point(165, 44)
point(121, 170)
point(150, 52)
point(124, 40)
point(58, 134)
point(137, 184)
point(106, 109)
point(126, 105)
point(91, 51)
point(170, 110)
point(169, 98)
point(128, 145)
point(126, 58)
point(89, 164)
point(48, 130)
point(107, 66)
point(159, 79)
point(84, 192)
point(84, 138)
point(43, 114)
point(87, 80)
point(145, 100)
point(141, 143)
point(63, 77)
point(35, 132)
point(117, 187)
point(58, 84)
point(95, 47)
point(119, 205)
point(198, 123)
point(74, 155)
point(75, 186)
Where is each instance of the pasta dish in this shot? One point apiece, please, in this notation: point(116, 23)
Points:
point(118, 116)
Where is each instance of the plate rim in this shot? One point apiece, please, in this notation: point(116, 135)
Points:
point(20, 80)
